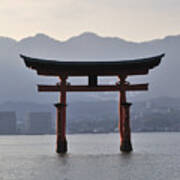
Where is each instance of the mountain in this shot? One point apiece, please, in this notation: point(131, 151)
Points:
point(19, 84)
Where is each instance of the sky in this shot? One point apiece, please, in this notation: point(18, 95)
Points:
point(133, 20)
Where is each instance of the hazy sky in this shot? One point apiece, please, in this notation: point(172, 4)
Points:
point(135, 20)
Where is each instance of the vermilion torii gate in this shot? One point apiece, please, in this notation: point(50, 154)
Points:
point(122, 69)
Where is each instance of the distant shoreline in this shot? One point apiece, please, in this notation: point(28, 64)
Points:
point(28, 134)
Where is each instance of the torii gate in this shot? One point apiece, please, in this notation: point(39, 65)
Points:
point(122, 69)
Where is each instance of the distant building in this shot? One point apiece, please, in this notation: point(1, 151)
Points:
point(38, 123)
point(7, 123)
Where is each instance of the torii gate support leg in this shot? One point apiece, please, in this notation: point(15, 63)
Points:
point(126, 145)
point(61, 143)
point(61, 120)
point(124, 125)
point(122, 100)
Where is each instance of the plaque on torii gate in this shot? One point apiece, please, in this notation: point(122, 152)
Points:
point(121, 69)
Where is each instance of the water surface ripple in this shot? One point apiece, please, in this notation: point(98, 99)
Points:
point(91, 157)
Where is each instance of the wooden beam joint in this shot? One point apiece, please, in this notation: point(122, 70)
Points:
point(92, 80)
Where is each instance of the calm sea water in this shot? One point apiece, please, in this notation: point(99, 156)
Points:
point(91, 157)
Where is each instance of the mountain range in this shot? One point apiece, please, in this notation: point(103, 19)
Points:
point(19, 83)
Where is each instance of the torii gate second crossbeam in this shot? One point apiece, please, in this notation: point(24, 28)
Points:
point(122, 69)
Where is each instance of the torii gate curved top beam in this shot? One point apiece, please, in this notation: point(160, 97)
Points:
point(105, 68)
point(122, 69)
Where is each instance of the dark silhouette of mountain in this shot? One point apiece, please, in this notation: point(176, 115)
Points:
point(19, 84)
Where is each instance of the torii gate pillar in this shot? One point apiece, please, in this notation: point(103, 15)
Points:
point(126, 138)
point(124, 118)
point(61, 142)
